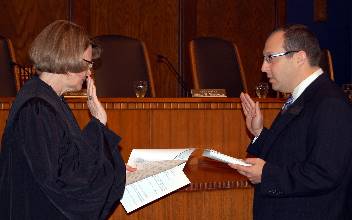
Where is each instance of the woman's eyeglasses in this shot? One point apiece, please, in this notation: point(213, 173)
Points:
point(90, 64)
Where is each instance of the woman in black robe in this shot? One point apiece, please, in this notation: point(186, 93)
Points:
point(49, 167)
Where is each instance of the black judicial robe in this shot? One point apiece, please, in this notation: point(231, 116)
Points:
point(50, 168)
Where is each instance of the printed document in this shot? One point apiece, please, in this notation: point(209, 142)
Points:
point(159, 172)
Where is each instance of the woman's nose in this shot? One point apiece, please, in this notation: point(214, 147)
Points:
point(89, 72)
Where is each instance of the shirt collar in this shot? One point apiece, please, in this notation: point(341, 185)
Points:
point(305, 83)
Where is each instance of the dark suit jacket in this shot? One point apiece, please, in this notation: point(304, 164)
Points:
point(308, 154)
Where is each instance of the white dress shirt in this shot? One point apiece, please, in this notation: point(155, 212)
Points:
point(305, 83)
point(301, 87)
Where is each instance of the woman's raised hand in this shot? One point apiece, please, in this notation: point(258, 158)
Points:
point(95, 107)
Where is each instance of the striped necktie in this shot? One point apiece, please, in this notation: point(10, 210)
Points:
point(288, 102)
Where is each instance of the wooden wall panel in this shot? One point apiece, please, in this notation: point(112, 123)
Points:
point(166, 26)
point(185, 122)
point(168, 123)
point(154, 22)
point(232, 204)
point(164, 123)
point(22, 20)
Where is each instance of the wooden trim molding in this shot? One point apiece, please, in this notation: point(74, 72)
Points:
point(174, 103)
point(161, 103)
point(229, 184)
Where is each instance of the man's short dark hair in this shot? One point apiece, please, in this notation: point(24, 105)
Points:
point(298, 37)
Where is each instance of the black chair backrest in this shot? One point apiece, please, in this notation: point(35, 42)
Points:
point(216, 64)
point(326, 63)
point(7, 76)
point(123, 60)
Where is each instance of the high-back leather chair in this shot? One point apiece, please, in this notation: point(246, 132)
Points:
point(216, 64)
point(122, 61)
point(7, 60)
point(23, 74)
point(326, 63)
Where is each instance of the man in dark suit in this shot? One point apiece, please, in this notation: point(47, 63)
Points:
point(302, 165)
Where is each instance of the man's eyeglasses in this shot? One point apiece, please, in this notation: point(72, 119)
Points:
point(90, 64)
point(269, 58)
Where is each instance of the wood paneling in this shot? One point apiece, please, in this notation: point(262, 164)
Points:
point(212, 205)
point(173, 122)
point(22, 20)
point(182, 122)
point(166, 26)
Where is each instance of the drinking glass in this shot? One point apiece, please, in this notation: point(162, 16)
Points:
point(262, 89)
point(140, 88)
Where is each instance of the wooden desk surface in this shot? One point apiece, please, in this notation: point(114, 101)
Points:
point(217, 191)
point(208, 174)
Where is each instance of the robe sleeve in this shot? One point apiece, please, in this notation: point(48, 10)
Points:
point(81, 172)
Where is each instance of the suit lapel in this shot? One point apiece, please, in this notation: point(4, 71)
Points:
point(280, 123)
point(283, 119)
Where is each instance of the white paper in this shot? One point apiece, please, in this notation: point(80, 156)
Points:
point(151, 168)
point(215, 155)
point(160, 172)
